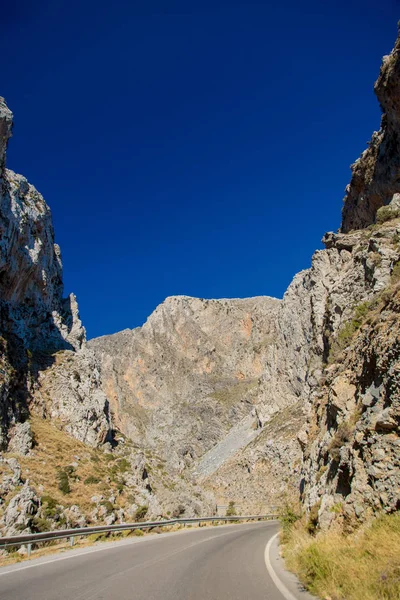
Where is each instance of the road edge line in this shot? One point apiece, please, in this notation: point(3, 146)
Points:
point(277, 581)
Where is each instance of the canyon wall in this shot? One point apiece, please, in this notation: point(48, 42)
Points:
point(211, 400)
point(36, 321)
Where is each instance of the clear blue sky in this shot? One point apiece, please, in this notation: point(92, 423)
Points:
point(197, 148)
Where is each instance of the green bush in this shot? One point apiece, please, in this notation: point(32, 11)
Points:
point(342, 436)
point(231, 511)
point(141, 512)
point(349, 328)
point(386, 213)
point(63, 482)
point(396, 272)
point(49, 507)
point(137, 532)
point(91, 479)
point(312, 521)
point(289, 514)
point(69, 469)
point(40, 524)
point(108, 506)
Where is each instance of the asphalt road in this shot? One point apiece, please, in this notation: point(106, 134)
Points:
point(221, 563)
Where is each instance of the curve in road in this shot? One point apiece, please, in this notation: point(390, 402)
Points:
point(222, 563)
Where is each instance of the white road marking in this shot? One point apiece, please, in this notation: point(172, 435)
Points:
point(279, 584)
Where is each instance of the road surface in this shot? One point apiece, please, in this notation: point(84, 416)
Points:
point(209, 563)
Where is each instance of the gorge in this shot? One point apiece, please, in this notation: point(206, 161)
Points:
point(211, 401)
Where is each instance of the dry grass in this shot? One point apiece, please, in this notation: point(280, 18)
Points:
point(54, 450)
point(363, 566)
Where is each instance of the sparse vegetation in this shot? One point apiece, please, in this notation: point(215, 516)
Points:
point(289, 514)
point(396, 273)
point(108, 506)
point(137, 532)
point(342, 436)
point(386, 213)
point(321, 472)
point(231, 510)
point(57, 452)
point(312, 520)
point(63, 482)
point(349, 328)
point(141, 512)
point(232, 394)
point(362, 566)
point(92, 479)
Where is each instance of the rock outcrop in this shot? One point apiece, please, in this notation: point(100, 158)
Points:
point(196, 368)
point(351, 446)
point(376, 174)
point(211, 400)
point(36, 321)
point(351, 466)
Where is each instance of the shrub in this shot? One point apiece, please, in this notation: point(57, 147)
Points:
point(49, 507)
point(321, 472)
point(40, 524)
point(312, 521)
point(337, 508)
point(349, 328)
point(289, 514)
point(396, 272)
point(141, 512)
point(91, 480)
point(63, 482)
point(108, 506)
point(342, 436)
point(386, 213)
point(178, 511)
point(69, 469)
point(231, 511)
point(120, 486)
point(137, 532)
point(97, 537)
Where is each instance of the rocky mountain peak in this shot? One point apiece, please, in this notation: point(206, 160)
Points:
point(376, 174)
point(6, 122)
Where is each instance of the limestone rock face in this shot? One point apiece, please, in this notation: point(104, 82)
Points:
point(35, 320)
point(206, 383)
point(351, 449)
point(195, 369)
point(19, 513)
point(69, 391)
point(216, 400)
point(350, 443)
point(376, 174)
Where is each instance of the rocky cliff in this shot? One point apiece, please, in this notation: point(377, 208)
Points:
point(376, 174)
point(351, 440)
point(211, 400)
point(195, 369)
point(223, 387)
point(36, 321)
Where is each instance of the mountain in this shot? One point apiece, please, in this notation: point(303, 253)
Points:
point(211, 401)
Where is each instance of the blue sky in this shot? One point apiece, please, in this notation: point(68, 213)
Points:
point(197, 148)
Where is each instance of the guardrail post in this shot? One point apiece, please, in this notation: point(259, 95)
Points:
point(29, 549)
point(71, 541)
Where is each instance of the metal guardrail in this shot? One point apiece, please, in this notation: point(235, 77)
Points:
point(46, 536)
